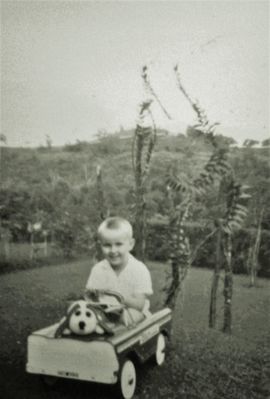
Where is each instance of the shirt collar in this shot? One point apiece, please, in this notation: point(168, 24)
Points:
point(109, 267)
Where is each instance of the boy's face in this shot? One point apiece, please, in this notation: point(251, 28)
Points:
point(116, 245)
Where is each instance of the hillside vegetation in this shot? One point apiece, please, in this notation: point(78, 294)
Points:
point(58, 187)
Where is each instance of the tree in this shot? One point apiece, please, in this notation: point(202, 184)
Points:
point(252, 261)
point(215, 280)
point(266, 143)
point(143, 145)
point(217, 168)
point(189, 190)
point(48, 142)
point(236, 212)
point(3, 138)
point(250, 143)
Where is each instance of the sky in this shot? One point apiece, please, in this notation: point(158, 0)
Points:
point(72, 68)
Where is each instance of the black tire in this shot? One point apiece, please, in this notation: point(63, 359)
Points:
point(49, 381)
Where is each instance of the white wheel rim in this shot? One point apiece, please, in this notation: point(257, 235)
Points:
point(160, 351)
point(128, 379)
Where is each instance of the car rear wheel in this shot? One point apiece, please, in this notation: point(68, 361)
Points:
point(160, 350)
point(127, 379)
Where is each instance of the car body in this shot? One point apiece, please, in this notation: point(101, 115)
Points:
point(99, 358)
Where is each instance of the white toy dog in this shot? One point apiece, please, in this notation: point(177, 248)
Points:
point(83, 319)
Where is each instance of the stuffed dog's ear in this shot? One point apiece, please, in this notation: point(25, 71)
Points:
point(99, 329)
point(74, 306)
point(62, 326)
point(102, 323)
point(64, 323)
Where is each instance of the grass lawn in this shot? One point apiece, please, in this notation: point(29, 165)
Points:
point(19, 257)
point(201, 363)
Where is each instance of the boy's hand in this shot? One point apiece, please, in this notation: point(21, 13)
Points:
point(92, 294)
point(136, 301)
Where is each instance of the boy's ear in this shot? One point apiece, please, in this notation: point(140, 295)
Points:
point(131, 243)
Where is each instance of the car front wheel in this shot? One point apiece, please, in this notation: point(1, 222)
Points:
point(127, 379)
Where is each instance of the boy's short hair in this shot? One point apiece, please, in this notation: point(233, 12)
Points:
point(115, 223)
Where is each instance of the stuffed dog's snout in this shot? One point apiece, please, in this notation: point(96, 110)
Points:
point(81, 325)
point(83, 320)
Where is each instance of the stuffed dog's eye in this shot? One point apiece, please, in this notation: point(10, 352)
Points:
point(88, 314)
point(78, 313)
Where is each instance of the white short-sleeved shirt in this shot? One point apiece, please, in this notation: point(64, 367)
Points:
point(133, 279)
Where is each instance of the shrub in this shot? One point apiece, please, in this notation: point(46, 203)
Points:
point(157, 247)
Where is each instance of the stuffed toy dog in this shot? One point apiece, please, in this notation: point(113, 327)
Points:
point(83, 319)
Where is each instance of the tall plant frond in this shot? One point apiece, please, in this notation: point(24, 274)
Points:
point(203, 123)
point(141, 134)
point(144, 140)
point(237, 209)
point(149, 88)
point(216, 167)
point(103, 212)
point(177, 184)
point(179, 250)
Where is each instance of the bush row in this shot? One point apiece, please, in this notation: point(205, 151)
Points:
point(157, 247)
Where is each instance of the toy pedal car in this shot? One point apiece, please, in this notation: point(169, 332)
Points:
point(107, 358)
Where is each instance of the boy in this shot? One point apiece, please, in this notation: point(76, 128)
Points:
point(120, 271)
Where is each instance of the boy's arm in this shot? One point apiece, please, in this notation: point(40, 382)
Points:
point(135, 301)
point(95, 280)
point(143, 284)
